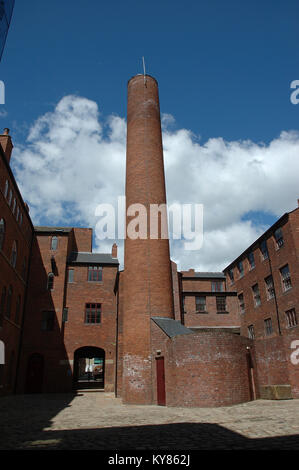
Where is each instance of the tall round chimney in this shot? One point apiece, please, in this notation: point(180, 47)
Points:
point(147, 273)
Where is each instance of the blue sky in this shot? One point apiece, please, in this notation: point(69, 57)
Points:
point(224, 70)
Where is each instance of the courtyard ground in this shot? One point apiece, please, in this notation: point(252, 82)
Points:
point(97, 420)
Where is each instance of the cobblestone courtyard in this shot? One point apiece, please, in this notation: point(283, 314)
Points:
point(99, 421)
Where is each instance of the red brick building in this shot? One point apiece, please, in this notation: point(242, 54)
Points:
point(206, 302)
point(70, 319)
point(266, 280)
point(70, 313)
point(16, 234)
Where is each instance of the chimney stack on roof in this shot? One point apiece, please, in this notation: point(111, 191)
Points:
point(6, 143)
point(114, 250)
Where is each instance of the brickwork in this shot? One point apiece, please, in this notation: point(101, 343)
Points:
point(272, 343)
point(148, 281)
point(18, 230)
point(56, 281)
point(77, 333)
point(276, 304)
point(119, 338)
point(210, 315)
point(58, 345)
point(177, 295)
point(214, 366)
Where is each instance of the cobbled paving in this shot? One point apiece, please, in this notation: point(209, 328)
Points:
point(98, 420)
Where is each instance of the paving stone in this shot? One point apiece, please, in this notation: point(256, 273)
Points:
point(100, 421)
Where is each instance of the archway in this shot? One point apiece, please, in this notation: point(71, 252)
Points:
point(89, 368)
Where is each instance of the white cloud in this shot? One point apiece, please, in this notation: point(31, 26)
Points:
point(74, 159)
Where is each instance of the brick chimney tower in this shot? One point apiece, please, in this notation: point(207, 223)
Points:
point(6, 143)
point(147, 273)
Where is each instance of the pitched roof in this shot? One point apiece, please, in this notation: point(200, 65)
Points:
point(171, 327)
point(53, 229)
point(91, 258)
point(218, 275)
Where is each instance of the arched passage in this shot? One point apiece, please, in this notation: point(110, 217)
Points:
point(89, 367)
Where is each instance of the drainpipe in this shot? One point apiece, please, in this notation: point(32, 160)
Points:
point(23, 315)
point(275, 299)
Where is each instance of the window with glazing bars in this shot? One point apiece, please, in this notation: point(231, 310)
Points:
point(256, 295)
point(250, 329)
point(270, 287)
point(268, 326)
point(200, 303)
point(93, 313)
point(279, 237)
point(241, 303)
point(264, 250)
point(291, 318)
point(231, 275)
point(286, 278)
point(240, 268)
point(217, 286)
point(221, 304)
point(95, 273)
point(251, 260)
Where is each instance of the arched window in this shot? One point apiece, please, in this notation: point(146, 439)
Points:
point(50, 283)
point(2, 304)
point(8, 302)
point(14, 205)
point(6, 189)
point(14, 252)
point(54, 243)
point(18, 309)
point(2, 233)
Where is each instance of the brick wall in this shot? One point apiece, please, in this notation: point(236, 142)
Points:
point(19, 230)
point(77, 333)
point(275, 307)
point(207, 369)
point(58, 346)
point(148, 280)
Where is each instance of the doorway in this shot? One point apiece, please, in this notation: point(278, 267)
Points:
point(35, 374)
point(161, 394)
point(89, 368)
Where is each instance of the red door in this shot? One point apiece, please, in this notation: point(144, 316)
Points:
point(161, 395)
point(250, 375)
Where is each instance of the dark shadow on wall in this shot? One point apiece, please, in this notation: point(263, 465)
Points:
point(44, 364)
